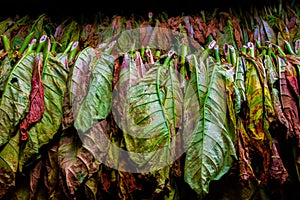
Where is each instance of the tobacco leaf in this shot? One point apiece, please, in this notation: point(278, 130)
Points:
point(9, 157)
point(38, 25)
point(273, 82)
point(152, 117)
point(127, 185)
point(91, 188)
point(243, 140)
point(51, 167)
point(75, 162)
point(244, 146)
point(127, 78)
point(54, 78)
point(35, 175)
point(260, 115)
point(199, 28)
point(77, 84)
point(97, 103)
point(36, 97)
point(289, 92)
point(210, 152)
point(154, 110)
point(238, 34)
point(15, 99)
point(270, 34)
point(69, 34)
point(5, 70)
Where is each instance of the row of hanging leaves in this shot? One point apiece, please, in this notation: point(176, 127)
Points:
point(237, 96)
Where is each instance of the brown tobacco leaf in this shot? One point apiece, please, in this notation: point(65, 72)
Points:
point(36, 97)
point(127, 185)
point(243, 142)
point(290, 98)
point(35, 175)
point(277, 170)
point(51, 168)
point(174, 22)
point(199, 29)
point(117, 69)
point(237, 32)
point(212, 28)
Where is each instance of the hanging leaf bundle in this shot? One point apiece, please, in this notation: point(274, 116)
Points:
point(200, 106)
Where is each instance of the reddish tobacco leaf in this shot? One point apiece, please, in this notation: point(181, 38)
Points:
point(237, 32)
point(174, 22)
point(212, 28)
point(244, 143)
point(199, 29)
point(188, 26)
point(290, 97)
point(106, 181)
point(127, 185)
point(277, 170)
point(36, 97)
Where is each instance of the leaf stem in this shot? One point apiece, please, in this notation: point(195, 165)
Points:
point(289, 47)
point(217, 53)
point(207, 50)
point(26, 42)
point(232, 55)
point(168, 58)
point(41, 44)
point(251, 49)
point(73, 51)
point(6, 42)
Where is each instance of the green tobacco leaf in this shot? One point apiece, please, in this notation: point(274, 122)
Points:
point(16, 26)
point(54, 78)
point(38, 26)
point(5, 24)
point(261, 110)
point(69, 30)
point(96, 105)
point(76, 163)
point(240, 80)
point(9, 156)
point(5, 70)
point(154, 108)
point(15, 99)
point(207, 122)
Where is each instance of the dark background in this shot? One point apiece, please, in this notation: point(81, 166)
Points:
point(61, 8)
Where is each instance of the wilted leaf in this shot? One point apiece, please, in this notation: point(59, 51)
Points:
point(75, 162)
